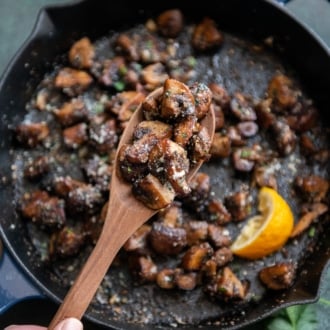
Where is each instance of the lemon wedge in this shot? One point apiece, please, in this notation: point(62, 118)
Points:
point(265, 233)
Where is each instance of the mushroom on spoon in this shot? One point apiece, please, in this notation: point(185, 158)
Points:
point(125, 213)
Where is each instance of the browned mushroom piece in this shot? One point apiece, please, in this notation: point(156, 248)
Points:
point(167, 240)
point(112, 73)
point(265, 116)
point(98, 172)
point(143, 268)
point(279, 276)
point(103, 137)
point(47, 97)
point(170, 23)
point(153, 193)
point(72, 82)
point(285, 138)
point(221, 146)
point(165, 278)
point(209, 269)
point(172, 215)
point(151, 107)
point(263, 176)
point(200, 185)
point(71, 112)
point(220, 96)
point(307, 145)
point(43, 209)
point(242, 107)
point(186, 281)
point(63, 185)
point(206, 35)
point(196, 231)
point(282, 92)
point(198, 198)
point(195, 256)
point(239, 204)
point(177, 100)
point(322, 156)
point(155, 128)
point(223, 256)
point(226, 286)
point(217, 211)
point(139, 151)
point(184, 130)
point(200, 145)
point(203, 98)
point(37, 167)
point(84, 200)
point(218, 236)
point(242, 160)
point(313, 187)
point(129, 170)
point(169, 160)
point(316, 210)
point(153, 76)
point(127, 46)
point(247, 128)
point(81, 53)
point(75, 136)
point(304, 120)
point(138, 241)
point(235, 136)
point(183, 69)
point(31, 134)
point(149, 49)
point(66, 243)
point(80, 197)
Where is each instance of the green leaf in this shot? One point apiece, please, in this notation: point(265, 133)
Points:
point(308, 318)
point(279, 323)
point(294, 313)
point(324, 301)
point(298, 317)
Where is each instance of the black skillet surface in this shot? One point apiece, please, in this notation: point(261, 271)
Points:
point(290, 40)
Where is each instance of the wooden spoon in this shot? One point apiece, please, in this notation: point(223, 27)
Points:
point(124, 216)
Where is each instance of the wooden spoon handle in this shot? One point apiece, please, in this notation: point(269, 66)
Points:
point(117, 229)
point(85, 286)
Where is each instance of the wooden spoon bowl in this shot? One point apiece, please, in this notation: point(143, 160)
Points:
point(124, 216)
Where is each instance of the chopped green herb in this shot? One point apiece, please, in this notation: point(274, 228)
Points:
point(245, 153)
point(98, 108)
point(222, 289)
point(119, 85)
point(123, 70)
point(149, 44)
point(311, 232)
point(167, 93)
point(191, 61)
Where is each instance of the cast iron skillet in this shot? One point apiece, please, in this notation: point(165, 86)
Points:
point(55, 31)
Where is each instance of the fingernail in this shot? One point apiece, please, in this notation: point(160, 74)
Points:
point(69, 324)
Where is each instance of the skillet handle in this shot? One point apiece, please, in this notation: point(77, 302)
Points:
point(14, 285)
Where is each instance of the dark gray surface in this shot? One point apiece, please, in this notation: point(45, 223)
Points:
point(17, 18)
